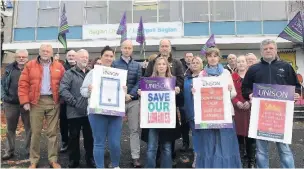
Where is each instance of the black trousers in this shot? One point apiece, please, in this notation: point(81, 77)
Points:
point(64, 126)
point(248, 145)
point(185, 129)
point(76, 124)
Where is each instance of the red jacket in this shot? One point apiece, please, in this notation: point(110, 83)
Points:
point(29, 85)
point(237, 80)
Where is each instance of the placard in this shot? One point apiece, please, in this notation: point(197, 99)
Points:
point(272, 113)
point(212, 103)
point(157, 103)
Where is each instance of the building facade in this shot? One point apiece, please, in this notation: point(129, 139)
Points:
point(239, 26)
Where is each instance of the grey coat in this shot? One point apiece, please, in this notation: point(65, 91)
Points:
point(70, 92)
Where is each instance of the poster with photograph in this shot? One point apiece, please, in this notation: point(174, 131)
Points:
point(272, 113)
point(157, 103)
point(212, 104)
point(108, 95)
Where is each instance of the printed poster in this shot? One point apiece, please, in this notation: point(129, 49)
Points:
point(157, 103)
point(108, 95)
point(212, 103)
point(272, 113)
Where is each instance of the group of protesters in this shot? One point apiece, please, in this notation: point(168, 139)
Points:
point(45, 89)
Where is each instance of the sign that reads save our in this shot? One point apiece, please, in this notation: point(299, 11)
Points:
point(152, 30)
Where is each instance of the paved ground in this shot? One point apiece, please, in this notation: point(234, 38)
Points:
point(184, 160)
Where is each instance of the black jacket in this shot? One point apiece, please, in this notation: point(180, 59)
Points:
point(277, 72)
point(67, 66)
point(6, 96)
point(70, 92)
point(187, 71)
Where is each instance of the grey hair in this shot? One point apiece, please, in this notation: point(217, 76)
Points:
point(21, 51)
point(82, 51)
point(164, 40)
point(70, 52)
point(267, 42)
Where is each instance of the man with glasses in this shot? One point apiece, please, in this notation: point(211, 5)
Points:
point(12, 109)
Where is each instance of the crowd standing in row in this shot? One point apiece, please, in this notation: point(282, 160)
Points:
point(43, 88)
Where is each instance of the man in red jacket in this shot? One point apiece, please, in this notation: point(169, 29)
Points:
point(38, 92)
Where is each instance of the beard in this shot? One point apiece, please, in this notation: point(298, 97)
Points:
point(83, 64)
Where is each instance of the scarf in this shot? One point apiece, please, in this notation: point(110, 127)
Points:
point(214, 71)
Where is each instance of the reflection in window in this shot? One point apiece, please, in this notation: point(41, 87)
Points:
point(148, 10)
point(44, 4)
point(196, 11)
point(274, 10)
point(26, 14)
point(222, 10)
point(115, 14)
point(96, 15)
point(248, 10)
point(74, 12)
point(170, 11)
point(48, 17)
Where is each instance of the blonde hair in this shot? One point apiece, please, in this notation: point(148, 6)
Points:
point(152, 57)
point(168, 71)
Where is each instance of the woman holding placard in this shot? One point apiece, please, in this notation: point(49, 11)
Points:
point(218, 148)
point(103, 125)
point(242, 116)
point(163, 135)
point(196, 66)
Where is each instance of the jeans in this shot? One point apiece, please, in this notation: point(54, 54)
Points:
point(75, 126)
point(262, 155)
point(103, 126)
point(194, 135)
point(166, 159)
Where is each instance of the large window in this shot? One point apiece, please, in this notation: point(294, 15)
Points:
point(222, 10)
point(115, 13)
point(274, 10)
point(146, 9)
point(248, 10)
point(196, 11)
point(96, 12)
point(26, 14)
point(170, 11)
point(74, 12)
point(48, 13)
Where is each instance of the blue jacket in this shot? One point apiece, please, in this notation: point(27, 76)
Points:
point(134, 75)
point(188, 98)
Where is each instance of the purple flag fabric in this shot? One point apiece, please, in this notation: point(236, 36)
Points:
point(294, 31)
point(141, 39)
point(210, 43)
point(122, 29)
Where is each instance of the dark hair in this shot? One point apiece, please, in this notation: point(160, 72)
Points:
point(107, 48)
point(94, 62)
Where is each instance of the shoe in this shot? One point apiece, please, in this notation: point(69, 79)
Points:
point(194, 160)
point(7, 156)
point(136, 163)
point(54, 165)
point(91, 163)
point(110, 165)
point(63, 148)
point(73, 164)
point(33, 165)
point(185, 147)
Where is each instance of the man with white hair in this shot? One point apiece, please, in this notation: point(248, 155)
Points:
point(12, 109)
point(231, 66)
point(251, 59)
point(64, 127)
point(77, 110)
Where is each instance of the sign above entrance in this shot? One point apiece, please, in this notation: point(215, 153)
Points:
point(152, 30)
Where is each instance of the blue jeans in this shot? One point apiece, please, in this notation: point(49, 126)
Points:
point(165, 158)
point(194, 135)
point(262, 155)
point(103, 126)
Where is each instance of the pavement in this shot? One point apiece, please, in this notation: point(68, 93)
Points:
point(183, 159)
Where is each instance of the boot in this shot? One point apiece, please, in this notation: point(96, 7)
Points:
point(251, 156)
point(243, 155)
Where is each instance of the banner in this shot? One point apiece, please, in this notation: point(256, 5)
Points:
point(108, 95)
point(212, 103)
point(152, 30)
point(157, 103)
point(272, 113)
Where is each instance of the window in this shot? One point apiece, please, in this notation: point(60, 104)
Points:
point(96, 12)
point(74, 12)
point(248, 10)
point(170, 11)
point(274, 10)
point(48, 13)
point(196, 11)
point(115, 14)
point(222, 10)
point(26, 14)
point(148, 11)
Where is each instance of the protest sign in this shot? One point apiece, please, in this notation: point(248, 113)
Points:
point(212, 103)
point(157, 103)
point(272, 113)
point(108, 95)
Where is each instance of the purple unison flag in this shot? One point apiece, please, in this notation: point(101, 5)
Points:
point(294, 31)
point(122, 29)
point(210, 43)
point(63, 29)
point(141, 39)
